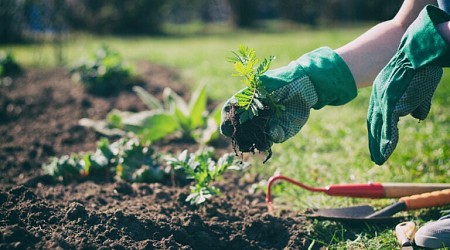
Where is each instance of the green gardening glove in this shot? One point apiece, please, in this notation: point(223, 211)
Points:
point(407, 83)
point(316, 79)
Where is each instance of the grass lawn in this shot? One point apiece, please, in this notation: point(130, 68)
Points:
point(331, 148)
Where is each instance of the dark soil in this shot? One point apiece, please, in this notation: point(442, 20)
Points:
point(39, 115)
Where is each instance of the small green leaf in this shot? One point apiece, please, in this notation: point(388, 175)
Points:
point(148, 99)
point(255, 96)
point(183, 120)
point(158, 126)
point(86, 162)
point(239, 67)
point(264, 66)
point(114, 119)
point(197, 107)
point(176, 101)
point(150, 125)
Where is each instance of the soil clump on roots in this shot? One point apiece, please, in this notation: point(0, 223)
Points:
point(251, 135)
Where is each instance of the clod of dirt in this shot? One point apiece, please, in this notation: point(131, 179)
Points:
point(75, 211)
point(124, 188)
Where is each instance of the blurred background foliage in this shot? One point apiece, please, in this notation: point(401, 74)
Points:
point(21, 20)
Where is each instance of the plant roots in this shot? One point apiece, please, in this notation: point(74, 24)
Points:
point(250, 135)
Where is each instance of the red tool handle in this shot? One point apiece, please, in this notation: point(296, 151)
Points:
point(361, 190)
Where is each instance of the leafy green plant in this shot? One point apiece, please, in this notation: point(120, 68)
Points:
point(253, 107)
point(103, 72)
point(82, 165)
point(127, 159)
point(8, 65)
point(255, 97)
point(137, 162)
point(193, 118)
point(130, 160)
point(164, 118)
point(204, 170)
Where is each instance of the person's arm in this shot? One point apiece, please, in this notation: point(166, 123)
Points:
point(444, 30)
point(306, 84)
point(370, 52)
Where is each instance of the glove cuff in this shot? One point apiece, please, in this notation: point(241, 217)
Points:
point(422, 43)
point(330, 75)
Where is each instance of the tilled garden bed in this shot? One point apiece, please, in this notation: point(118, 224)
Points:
point(39, 114)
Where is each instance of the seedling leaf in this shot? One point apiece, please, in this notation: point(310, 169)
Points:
point(197, 107)
point(255, 95)
point(203, 170)
point(148, 99)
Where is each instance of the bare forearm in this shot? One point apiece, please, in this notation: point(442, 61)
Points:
point(444, 30)
point(370, 52)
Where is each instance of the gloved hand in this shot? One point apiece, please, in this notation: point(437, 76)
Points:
point(316, 79)
point(407, 83)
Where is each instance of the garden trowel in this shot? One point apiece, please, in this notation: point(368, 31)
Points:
point(367, 213)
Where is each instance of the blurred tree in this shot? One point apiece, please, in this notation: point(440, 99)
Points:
point(183, 11)
point(356, 10)
point(207, 11)
point(44, 16)
point(301, 11)
point(377, 9)
point(147, 16)
point(11, 20)
point(244, 12)
point(312, 11)
point(116, 16)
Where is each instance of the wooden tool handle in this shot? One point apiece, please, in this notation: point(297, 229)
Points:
point(427, 200)
point(397, 190)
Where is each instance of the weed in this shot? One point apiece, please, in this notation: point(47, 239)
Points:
point(8, 65)
point(127, 159)
point(103, 73)
point(163, 119)
point(204, 170)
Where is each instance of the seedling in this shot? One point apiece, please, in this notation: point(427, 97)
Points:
point(127, 159)
point(251, 109)
point(194, 121)
point(164, 118)
point(103, 73)
point(8, 65)
point(204, 170)
point(137, 162)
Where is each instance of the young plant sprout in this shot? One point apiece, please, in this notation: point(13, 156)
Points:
point(103, 73)
point(127, 159)
point(251, 109)
point(204, 170)
point(167, 118)
point(8, 65)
